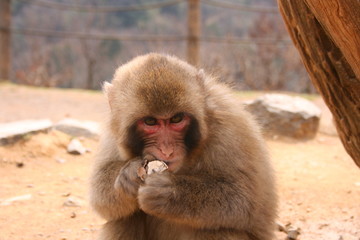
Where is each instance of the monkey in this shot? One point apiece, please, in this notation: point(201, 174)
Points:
point(219, 183)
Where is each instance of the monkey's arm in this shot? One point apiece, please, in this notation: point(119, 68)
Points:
point(114, 188)
point(200, 202)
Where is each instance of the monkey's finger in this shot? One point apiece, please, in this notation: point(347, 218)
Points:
point(141, 172)
point(154, 200)
point(148, 158)
point(159, 180)
point(126, 184)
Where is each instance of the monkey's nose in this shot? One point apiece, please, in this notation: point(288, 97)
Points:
point(167, 151)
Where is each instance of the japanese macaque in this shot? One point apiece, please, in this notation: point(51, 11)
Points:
point(218, 183)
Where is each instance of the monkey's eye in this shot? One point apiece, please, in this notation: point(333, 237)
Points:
point(150, 121)
point(177, 118)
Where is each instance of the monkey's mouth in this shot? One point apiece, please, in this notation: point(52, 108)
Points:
point(172, 166)
point(167, 163)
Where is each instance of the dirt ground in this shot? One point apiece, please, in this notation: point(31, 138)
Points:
point(318, 183)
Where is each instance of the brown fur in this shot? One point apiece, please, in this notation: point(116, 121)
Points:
point(224, 189)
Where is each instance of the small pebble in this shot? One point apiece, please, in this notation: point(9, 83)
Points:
point(20, 164)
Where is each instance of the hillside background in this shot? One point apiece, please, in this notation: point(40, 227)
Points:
point(262, 58)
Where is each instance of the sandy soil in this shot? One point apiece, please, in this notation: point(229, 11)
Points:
point(318, 183)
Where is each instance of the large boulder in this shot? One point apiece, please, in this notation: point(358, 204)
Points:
point(284, 115)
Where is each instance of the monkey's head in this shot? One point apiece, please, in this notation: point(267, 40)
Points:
point(158, 107)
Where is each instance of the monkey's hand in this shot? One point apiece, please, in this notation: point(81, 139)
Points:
point(155, 194)
point(128, 181)
point(196, 201)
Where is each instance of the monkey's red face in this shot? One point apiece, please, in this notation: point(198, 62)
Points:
point(164, 138)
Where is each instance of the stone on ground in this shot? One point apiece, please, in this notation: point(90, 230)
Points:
point(75, 147)
point(78, 128)
point(13, 131)
point(284, 115)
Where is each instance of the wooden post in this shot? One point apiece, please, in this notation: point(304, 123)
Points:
point(326, 33)
point(193, 45)
point(5, 20)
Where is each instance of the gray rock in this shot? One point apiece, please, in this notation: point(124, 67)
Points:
point(73, 202)
point(293, 233)
point(327, 125)
point(281, 227)
point(13, 131)
point(78, 128)
point(285, 115)
point(76, 147)
point(60, 160)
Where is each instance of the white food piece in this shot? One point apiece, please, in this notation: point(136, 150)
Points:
point(156, 166)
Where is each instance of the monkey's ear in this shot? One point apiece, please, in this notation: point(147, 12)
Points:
point(200, 77)
point(201, 73)
point(107, 88)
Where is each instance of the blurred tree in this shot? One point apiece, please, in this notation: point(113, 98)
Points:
point(110, 48)
point(95, 52)
point(5, 44)
point(131, 18)
point(46, 67)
